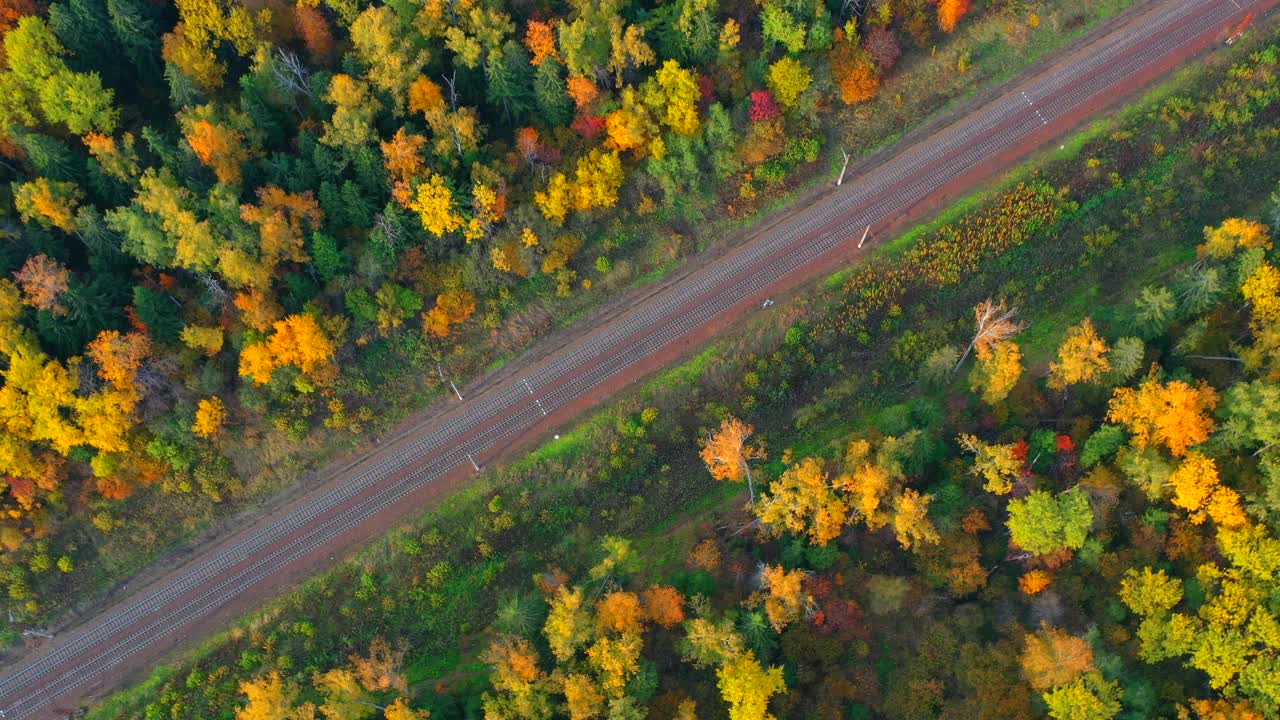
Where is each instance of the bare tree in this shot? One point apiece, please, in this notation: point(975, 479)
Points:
point(993, 322)
point(216, 292)
point(291, 74)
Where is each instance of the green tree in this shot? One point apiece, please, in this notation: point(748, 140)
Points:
point(549, 90)
point(327, 258)
point(158, 312)
point(1041, 523)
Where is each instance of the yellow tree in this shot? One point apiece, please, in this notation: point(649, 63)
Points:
point(802, 500)
point(1261, 290)
point(788, 79)
point(211, 415)
point(435, 207)
point(391, 54)
point(344, 698)
point(207, 340)
point(911, 524)
point(872, 475)
point(1233, 234)
point(298, 340)
point(631, 126)
point(353, 113)
point(616, 660)
point(728, 454)
point(269, 697)
point(282, 218)
point(627, 47)
point(996, 372)
point(400, 710)
point(582, 697)
point(569, 624)
point(998, 465)
point(1197, 488)
point(488, 206)
point(1174, 414)
point(746, 687)
point(679, 98)
point(1082, 357)
point(554, 201)
point(596, 181)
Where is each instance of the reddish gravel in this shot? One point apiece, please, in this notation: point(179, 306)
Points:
point(511, 411)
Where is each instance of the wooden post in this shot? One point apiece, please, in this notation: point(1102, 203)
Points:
point(864, 236)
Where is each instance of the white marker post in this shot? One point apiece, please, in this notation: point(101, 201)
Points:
point(864, 236)
point(840, 180)
point(473, 462)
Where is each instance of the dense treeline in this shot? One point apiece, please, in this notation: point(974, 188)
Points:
point(1063, 510)
point(230, 222)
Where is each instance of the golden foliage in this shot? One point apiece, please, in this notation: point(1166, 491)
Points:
point(452, 307)
point(435, 207)
point(663, 605)
point(802, 500)
point(619, 613)
point(1052, 658)
point(1034, 582)
point(49, 203)
point(997, 372)
point(298, 340)
point(998, 465)
point(211, 415)
point(1082, 357)
point(747, 687)
point(1175, 414)
point(785, 600)
point(911, 524)
point(1233, 234)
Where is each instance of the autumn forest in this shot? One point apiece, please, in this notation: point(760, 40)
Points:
point(1025, 463)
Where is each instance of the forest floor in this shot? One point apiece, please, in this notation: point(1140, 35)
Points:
point(606, 319)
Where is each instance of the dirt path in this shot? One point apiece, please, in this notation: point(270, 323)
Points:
point(638, 334)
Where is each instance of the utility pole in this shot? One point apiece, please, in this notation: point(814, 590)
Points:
point(473, 462)
point(864, 236)
point(440, 372)
point(840, 180)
